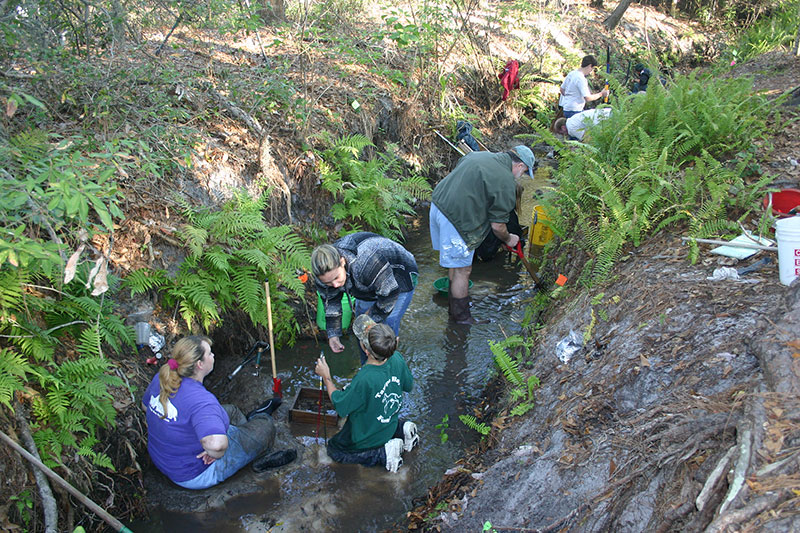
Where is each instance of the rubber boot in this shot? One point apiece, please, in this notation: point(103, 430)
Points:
point(460, 313)
point(274, 460)
point(267, 407)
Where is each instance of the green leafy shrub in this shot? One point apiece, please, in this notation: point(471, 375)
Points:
point(57, 195)
point(522, 388)
point(653, 162)
point(777, 29)
point(443, 426)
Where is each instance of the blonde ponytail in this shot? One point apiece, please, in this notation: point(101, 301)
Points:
point(185, 355)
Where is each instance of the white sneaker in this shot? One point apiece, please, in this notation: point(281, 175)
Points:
point(393, 450)
point(411, 437)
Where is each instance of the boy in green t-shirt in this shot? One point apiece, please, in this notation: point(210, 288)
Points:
point(373, 434)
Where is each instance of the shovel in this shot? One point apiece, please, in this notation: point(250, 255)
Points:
point(276, 382)
point(518, 252)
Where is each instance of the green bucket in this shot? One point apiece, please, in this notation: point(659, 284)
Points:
point(443, 285)
point(347, 312)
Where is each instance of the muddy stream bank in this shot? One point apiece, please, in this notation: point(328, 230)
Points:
point(451, 365)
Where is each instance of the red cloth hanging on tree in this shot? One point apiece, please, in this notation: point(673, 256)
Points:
point(509, 78)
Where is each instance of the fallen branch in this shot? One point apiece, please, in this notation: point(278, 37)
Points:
point(757, 506)
point(235, 111)
point(557, 525)
point(546, 80)
point(161, 47)
point(96, 509)
point(673, 515)
point(732, 244)
point(785, 465)
point(740, 470)
point(258, 34)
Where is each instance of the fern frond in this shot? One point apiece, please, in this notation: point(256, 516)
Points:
point(11, 283)
point(472, 423)
point(216, 258)
point(143, 279)
point(509, 366)
point(353, 144)
point(521, 409)
point(14, 368)
point(257, 258)
point(250, 293)
point(195, 238)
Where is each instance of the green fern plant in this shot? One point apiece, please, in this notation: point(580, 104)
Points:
point(231, 252)
point(654, 163)
point(522, 390)
point(472, 423)
point(143, 280)
point(14, 369)
point(57, 195)
point(372, 193)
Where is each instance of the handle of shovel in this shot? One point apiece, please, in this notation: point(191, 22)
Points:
point(517, 250)
point(275, 380)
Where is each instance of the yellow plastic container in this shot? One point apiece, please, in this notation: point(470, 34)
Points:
point(540, 231)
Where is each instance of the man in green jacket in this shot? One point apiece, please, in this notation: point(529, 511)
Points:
point(474, 199)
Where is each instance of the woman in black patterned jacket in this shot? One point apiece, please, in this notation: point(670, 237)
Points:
point(379, 273)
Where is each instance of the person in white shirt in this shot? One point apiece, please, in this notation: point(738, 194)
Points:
point(575, 126)
point(575, 91)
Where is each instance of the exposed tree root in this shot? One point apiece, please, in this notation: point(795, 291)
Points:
point(50, 508)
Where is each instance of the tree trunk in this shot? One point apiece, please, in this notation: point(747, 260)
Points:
point(597, 4)
point(272, 10)
point(797, 38)
point(49, 505)
point(118, 15)
point(613, 19)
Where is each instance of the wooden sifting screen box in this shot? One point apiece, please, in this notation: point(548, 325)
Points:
point(306, 409)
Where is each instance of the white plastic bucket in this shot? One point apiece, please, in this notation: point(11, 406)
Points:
point(787, 232)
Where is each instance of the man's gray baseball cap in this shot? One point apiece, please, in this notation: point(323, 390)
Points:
point(527, 157)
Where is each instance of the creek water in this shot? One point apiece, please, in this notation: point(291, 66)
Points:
point(450, 363)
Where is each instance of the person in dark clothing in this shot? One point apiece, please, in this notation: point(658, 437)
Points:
point(487, 250)
point(643, 77)
point(379, 273)
point(491, 244)
point(464, 130)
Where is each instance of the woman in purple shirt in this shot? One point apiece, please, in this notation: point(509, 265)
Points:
point(193, 439)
